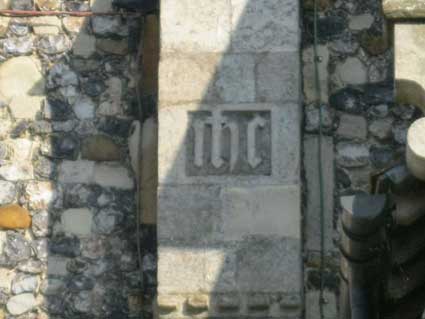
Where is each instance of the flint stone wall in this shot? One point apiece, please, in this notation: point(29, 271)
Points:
point(365, 126)
point(67, 107)
point(229, 240)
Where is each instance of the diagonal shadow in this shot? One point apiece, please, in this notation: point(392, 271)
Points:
point(219, 258)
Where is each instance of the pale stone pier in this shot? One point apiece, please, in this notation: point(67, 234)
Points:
point(229, 207)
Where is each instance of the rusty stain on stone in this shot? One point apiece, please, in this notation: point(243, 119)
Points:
point(14, 217)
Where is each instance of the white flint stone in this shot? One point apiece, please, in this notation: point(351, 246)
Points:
point(360, 22)
point(46, 25)
point(17, 172)
point(77, 221)
point(6, 277)
point(113, 175)
point(7, 192)
point(351, 71)
point(352, 155)
point(43, 195)
point(26, 106)
point(381, 128)
point(109, 26)
point(111, 104)
point(56, 266)
point(84, 45)
point(101, 5)
point(84, 108)
point(20, 304)
point(76, 172)
point(21, 77)
point(25, 283)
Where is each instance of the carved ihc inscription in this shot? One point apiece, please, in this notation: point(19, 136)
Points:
point(229, 143)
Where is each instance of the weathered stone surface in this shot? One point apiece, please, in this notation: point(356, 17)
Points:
point(7, 192)
point(309, 74)
point(46, 25)
point(4, 25)
point(48, 5)
point(56, 266)
point(403, 8)
point(77, 221)
point(17, 172)
point(265, 26)
point(374, 44)
point(177, 74)
point(311, 165)
point(279, 207)
point(352, 127)
point(381, 129)
point(32, 266)
point(54, 44)
point(84, 45)
point(109, 26)
point(76, 172)
point(22, 86)
point(101, 5)
point(84, 108)
point(180, 270)
point(409, 57)
point(74, 24)
point(6, 277)
point(15, 250)
point(269, 265)
point(226, 79)
point(352, 154)
point(111, 104)
point(20, 304)
point(43, 195)
point(14, 217)
point(351, 71)
point(207, 31)
point(234, 79)
point(118, 47)
point(40, 224)
point(113, 175)
point(61, 75)
point(107, 221)
point(100, 148)
point(18, 46)
point(24, 283)
point(360, 22)
point(284, 122)
point(190, 214)
point(399, 131)
point(277, 77)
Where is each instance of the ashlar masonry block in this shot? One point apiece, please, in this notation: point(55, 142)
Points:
point(264, 210)
point(206, 77)
point(195, 26)
point(265, 25)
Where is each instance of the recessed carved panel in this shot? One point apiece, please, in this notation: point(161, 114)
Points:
point(229, 143)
